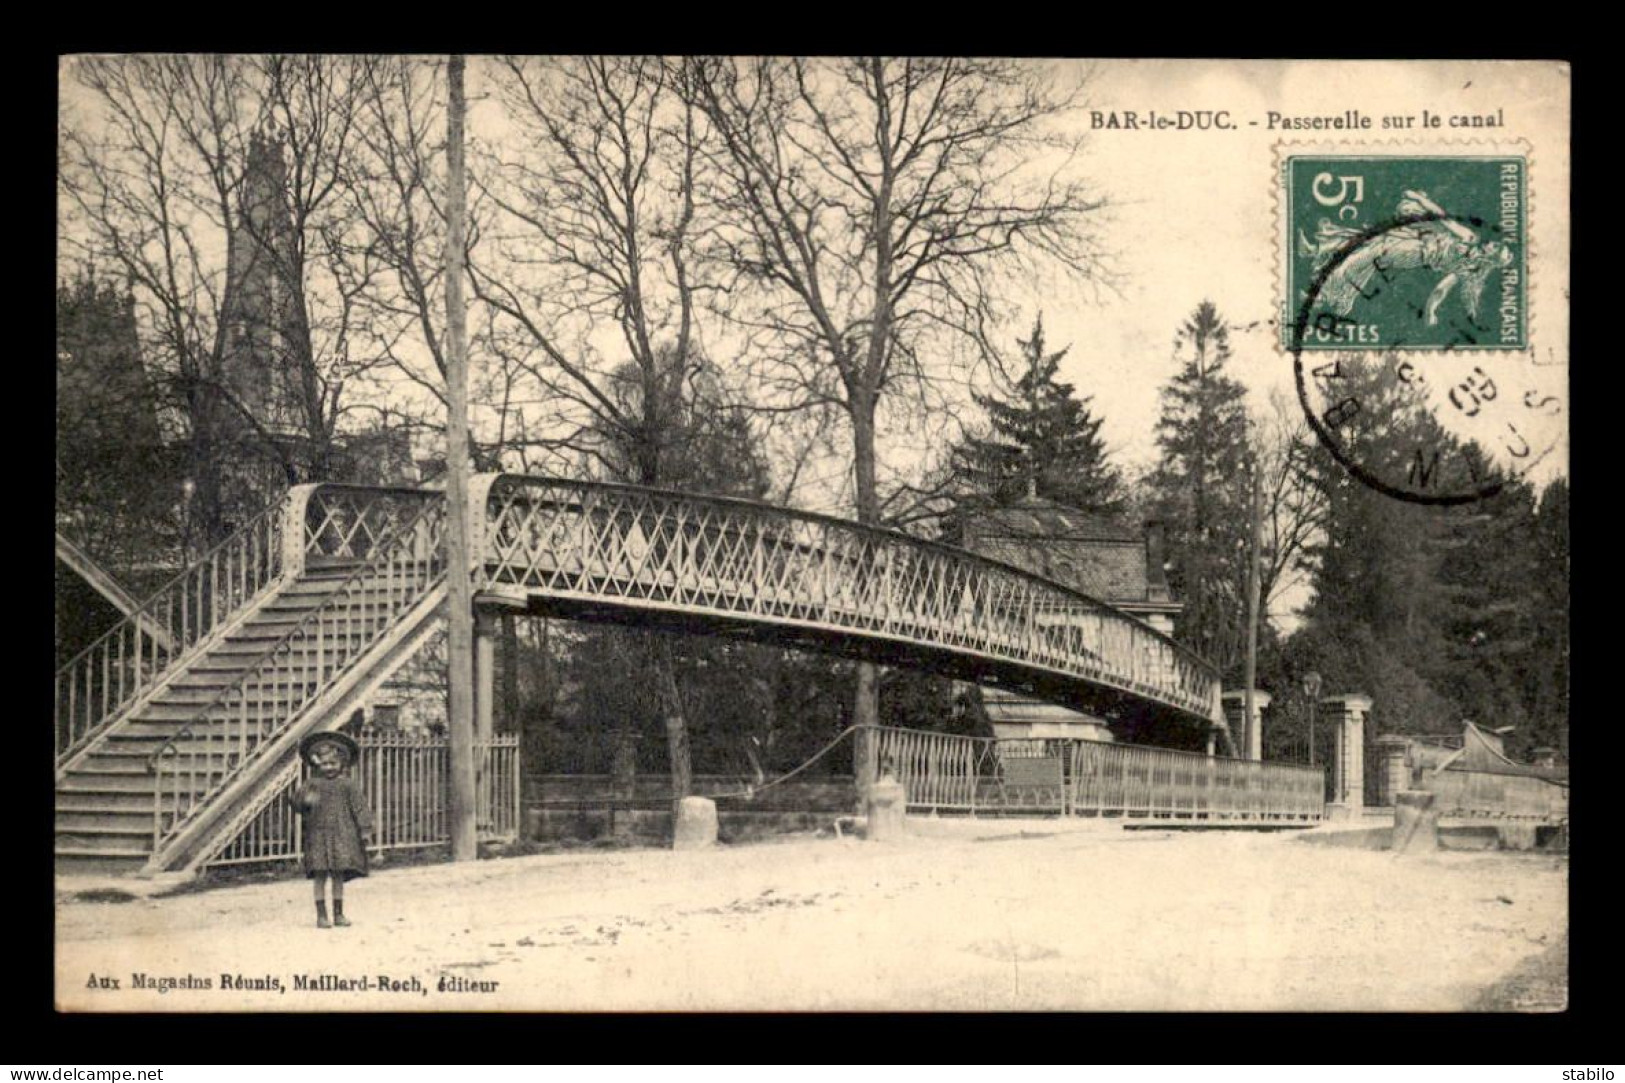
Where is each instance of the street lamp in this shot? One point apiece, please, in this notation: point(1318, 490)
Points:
point(1311, 688)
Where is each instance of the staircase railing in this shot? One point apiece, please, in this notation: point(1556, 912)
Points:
point(226, 736)
point(126, 662)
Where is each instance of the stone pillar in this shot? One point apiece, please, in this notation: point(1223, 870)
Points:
point(1248, 732)
point(1396, 773)
point(1517, 835)
point(1345, 714)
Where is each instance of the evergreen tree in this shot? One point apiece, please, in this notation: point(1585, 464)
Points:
point(1042, 439)
point(1547, 669)
point(1380, 614)
point(118, 487)
point(1437, 613)
point(1200, 489)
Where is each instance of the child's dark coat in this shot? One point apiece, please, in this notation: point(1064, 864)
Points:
point(335, 817)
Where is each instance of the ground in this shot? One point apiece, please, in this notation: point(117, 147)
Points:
point(960, 915)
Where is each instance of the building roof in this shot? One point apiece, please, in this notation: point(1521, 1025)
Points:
point(1481, 751)
point(1101, 556)
point(1037, 517)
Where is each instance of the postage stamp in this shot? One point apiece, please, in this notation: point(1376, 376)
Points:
point(1406, 252)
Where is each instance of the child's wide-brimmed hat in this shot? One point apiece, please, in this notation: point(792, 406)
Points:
point(342, 740)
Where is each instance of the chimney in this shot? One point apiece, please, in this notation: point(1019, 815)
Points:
point(1156, 576)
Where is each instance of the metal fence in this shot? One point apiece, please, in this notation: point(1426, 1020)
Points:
point(406, 779)
point(943, 772)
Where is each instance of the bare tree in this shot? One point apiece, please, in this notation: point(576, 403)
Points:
point(212, 184)
point(591, 281)
point(870, 212)
point(592, 263)
point(175, 170)
point(1294, 509)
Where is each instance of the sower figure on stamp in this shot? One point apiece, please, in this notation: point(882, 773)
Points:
point(1432, 241)
point(337, 822)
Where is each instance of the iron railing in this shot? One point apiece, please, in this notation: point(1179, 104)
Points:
point(946, 772)
point(398, 533)
point(734, 559)
point(405, 777)
point(98, 683)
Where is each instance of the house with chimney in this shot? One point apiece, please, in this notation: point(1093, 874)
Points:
point(1114, 561)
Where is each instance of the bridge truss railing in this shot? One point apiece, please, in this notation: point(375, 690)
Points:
point(718, 557)
point(952, 773)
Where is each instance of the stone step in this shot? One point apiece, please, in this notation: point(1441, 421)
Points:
point(87, 862)
point(135, 758)
point(180, 713)
point(104, 822)
point(117, 768)
point(86, 799)
point(282, 689)
point(237, 653)
point(105, 844)
point(106, 784)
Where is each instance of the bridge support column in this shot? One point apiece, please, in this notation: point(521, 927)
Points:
point(485, 628)
point(1248, 732)
point(1346, 715)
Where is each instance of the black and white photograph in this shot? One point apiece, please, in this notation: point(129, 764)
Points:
point(811, 534)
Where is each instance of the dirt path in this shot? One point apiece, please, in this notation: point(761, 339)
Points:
point(962, 915)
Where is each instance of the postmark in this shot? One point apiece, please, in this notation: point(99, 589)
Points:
point(1406, 312)
point(1449, 271)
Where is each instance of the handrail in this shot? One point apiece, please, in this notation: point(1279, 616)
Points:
point(226, 756)
point(882, 533)
point(957, 772)
point(838, 575)
point(115, 670)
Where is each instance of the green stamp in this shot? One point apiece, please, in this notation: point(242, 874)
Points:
point(1406, 253)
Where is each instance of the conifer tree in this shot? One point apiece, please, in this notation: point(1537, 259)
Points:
point(118, 488)
point(1437, 613)
point(1199, 488)
point(1042, 439)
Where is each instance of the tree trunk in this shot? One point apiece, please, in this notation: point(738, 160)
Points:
point(866, 695)
point(671, 712)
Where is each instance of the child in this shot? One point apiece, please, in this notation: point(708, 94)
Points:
point(336, 819)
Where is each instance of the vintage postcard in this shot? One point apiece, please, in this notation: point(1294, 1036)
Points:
point(811, 534)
